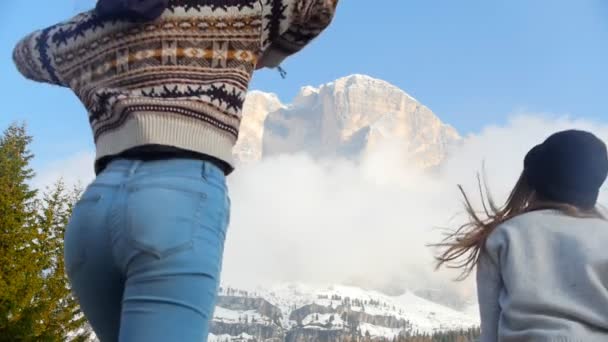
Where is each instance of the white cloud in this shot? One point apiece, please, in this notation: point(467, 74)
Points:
point(297, 219)
point(503, 149)
point(74, 170)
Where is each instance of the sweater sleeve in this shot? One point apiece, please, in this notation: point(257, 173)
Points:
point(291, 24)
point(35, 55)
point(489, 285)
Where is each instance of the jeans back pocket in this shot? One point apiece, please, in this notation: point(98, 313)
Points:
point(161, 219)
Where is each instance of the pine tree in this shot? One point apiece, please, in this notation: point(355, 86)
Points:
point(19, 267)
point(59, 308)
point(35, 300)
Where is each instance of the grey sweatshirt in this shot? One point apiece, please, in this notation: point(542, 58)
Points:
point(544, 278)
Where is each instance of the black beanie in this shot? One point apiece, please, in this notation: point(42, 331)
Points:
point(569, 167)
point(137, 10)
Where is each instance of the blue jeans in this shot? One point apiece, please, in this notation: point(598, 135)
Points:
point(143, 250)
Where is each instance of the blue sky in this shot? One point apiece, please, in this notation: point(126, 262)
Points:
point(473, 62)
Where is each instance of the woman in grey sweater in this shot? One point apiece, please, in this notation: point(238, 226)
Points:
point(542, 264)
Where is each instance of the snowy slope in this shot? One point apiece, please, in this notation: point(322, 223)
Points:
point(336, 308)
point(425, 315)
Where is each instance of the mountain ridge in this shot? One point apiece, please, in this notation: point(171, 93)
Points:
point(342, 118)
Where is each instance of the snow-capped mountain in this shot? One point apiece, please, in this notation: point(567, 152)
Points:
point(298, 312)
point(343, 118)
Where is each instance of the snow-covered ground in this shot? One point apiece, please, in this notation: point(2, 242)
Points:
point(238, 316)
point(228, 338)
point(422, 315)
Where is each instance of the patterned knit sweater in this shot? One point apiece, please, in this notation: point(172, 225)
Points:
point(179, 81)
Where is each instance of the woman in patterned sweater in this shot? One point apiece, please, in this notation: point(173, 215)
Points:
point(164, 83)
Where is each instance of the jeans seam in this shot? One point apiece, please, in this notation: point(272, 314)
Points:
point(158, 254)
point(82, 256)
point(106, 222)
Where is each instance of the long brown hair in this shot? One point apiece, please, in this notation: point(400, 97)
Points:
point(463, 246)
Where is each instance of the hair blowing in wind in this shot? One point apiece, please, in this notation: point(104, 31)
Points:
point(564, 173)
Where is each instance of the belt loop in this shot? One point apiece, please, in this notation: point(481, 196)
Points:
point(204, 170)
point(134, 167)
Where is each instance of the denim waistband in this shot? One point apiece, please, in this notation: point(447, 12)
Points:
point(188, 167)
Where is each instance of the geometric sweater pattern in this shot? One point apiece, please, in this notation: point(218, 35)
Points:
point(180, 80)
